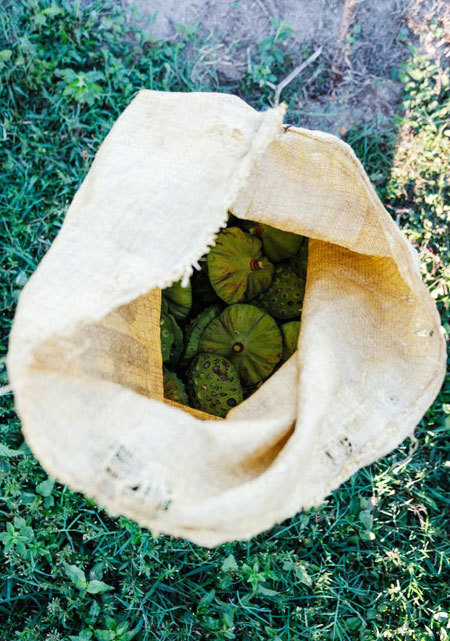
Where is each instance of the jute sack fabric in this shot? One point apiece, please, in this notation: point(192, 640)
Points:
point(84, 359)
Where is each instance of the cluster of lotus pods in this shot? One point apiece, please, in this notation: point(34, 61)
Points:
point(237, 320)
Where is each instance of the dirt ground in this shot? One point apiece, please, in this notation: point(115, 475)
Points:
point(363, 42)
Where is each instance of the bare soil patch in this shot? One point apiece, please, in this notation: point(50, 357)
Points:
point(363, 42)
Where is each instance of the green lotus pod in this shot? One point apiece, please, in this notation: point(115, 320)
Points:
point(177, 344)
point(214, 385)
point(237, 269)
point(174, 388)
point(195, 330)
point(290, 331)
point(277, 244)
point(249, 337)
point(179, 299)
point(284, 298)
point(166, 333)
point(299, 262)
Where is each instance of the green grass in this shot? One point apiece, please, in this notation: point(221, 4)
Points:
point(372, 562)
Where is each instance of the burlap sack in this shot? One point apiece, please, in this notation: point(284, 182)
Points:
point(84, 358)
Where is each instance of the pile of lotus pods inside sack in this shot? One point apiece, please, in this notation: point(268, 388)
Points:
point(237, 320)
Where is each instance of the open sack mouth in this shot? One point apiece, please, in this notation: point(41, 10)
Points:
point(237, 320)
point(120, 373)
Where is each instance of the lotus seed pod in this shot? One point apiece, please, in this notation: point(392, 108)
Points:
point(166, 333)
point(284, 298)
point(179, 299)
point(237, 269)
point(290, 332)
point(249, 337)
point(177, 344)
point(174, 388)
point(299, 262)
point(277, 244)
point(195, 330)
point(214, 385)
